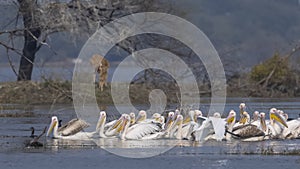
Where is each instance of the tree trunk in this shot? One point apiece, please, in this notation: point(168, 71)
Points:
point(31, 33)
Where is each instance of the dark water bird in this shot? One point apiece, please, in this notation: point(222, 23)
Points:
point(59, 123)
point(35, 141)
point(32, 132)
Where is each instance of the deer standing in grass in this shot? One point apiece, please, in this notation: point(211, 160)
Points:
point(101, 66)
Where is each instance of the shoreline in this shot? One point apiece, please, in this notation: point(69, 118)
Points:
point(60, 92)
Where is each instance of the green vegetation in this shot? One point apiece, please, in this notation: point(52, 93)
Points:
point(274, 70)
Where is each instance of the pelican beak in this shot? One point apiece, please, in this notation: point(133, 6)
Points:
point(139, 118)
point(122, 126)
point(230, 119)
point(169, 122)
point(186, 120)
point(117, 123)
point(195, 118)
point(157, 118)
point(53, 123)
point(243, 120)
point(172, 125)
point(179, 122)
point(279, 118)
point(100, 122)
point(132, 121)
point(263, 124)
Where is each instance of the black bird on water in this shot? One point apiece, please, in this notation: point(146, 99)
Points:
point(59, 123)
point(32, 132)
point(35, 141)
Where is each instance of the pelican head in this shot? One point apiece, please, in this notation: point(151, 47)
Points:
point(191, 116)
point(242, 106)
point(286, 116)
point(231, 117)
point(282, 113)
point(118, 122)
point(255, 115)
point(273, 110)
point(156, 116)
point(102, 119)
point(245, 117)
point(161, 120)
point(263, 124)
point(132, 118)
point(179, 119)
point(177, 112)
point(198, 113)
point(141, 116)
point(274, 115)
point(169, 119)
point(217, 115)
point(53, 124)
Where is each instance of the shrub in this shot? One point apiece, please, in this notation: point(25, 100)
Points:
point(276, 64)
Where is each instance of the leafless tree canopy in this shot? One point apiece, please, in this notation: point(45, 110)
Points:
point(44, 17)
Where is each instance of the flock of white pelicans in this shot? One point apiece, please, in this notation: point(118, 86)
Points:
point(191, 127)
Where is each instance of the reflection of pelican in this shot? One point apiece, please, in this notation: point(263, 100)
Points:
point(71, 130)
point(138, 131)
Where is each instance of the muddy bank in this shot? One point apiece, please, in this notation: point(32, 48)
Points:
point(50, 92)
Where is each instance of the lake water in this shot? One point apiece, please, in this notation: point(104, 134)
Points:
point(14, 132)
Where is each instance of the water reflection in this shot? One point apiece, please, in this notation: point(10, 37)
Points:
point(14, 131)
point(149, 148)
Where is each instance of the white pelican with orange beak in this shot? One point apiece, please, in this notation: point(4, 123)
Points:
point(277, 124)
point(250, 132)
point(73, 129)
point(211, 128)
point(137, 131)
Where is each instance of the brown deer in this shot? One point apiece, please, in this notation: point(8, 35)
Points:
point(101, 66)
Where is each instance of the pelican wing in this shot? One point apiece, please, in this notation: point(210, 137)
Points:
point(109, 124)
point(200, 120)
point(72, 127)
point(219, 127)
point(141, 130)
point(293, 130)
point(204, 130)
point(247, 131)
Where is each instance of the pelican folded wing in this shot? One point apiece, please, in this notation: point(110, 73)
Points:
point(72, 127)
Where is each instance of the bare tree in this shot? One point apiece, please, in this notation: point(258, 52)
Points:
point(44, 17)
